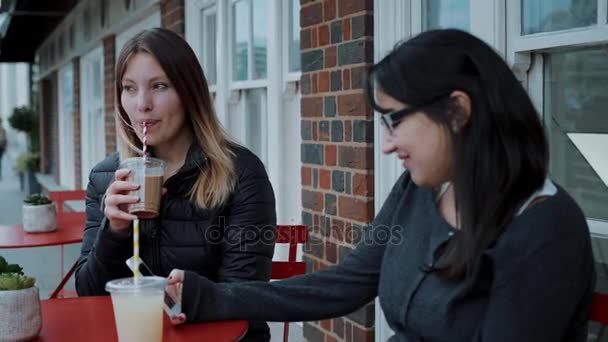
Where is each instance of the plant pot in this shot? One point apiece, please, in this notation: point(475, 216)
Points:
point(39, 218)
point(20, 315)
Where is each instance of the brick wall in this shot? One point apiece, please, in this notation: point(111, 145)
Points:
point(76, 116)
point(337, 149)
point(172, 15)
point(109, 60)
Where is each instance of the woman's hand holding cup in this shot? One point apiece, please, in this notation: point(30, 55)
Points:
point(117, 200)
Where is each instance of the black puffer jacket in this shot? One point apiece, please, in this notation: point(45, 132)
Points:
point(227, 244)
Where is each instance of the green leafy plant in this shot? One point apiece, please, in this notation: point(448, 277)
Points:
point(27, 162)
point(36, 199)
point(12, 277)
point(25, 119)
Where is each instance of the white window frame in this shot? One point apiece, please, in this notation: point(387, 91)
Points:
point(93, 148)
point(525, 54)
point(66, 130)
point(290, 76)
point(207, 9)
point(282, 94)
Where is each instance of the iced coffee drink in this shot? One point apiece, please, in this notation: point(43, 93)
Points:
point(148, 173)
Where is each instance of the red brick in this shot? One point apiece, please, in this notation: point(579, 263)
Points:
point(325, 179)
point(305, 39)
point(314, 38)
point(346, 7)
point(315, 83)
point(323, 35)
point(353, 105)
point(324, 81)
point(326, 324)
point(311, 106)
point(306, 174)
point(311, 15)
point(362, 335)
point(330, 57)
point(315, 131)
point(356, 209)
point(331, 254)
point(356, 157)
point(338, 325)
point(358, 76)
point(312, 200)
point(337, 230)
point(346, 79)
point(329, 10)
point(348, 131)
point(331, 155)
point(349, 234)
point(363, 184)
point(109, 62)
point(346, 29)
point(348, 331)
point(329, 338)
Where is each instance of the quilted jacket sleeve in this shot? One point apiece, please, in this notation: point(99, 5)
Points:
point(250, 223)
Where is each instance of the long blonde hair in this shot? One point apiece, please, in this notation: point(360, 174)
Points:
point(217, 178)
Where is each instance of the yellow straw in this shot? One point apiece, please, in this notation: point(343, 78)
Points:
point(136, 250)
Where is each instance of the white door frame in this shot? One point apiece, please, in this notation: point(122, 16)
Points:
point(92, 113)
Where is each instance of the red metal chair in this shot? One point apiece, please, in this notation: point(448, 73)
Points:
point(599, 308)
point(60, 197)
point(292, 235)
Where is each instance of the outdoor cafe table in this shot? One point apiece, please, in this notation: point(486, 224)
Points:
point(91, 319)
point(69, 230)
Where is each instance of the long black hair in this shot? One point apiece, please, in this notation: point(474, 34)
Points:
point(500, 154)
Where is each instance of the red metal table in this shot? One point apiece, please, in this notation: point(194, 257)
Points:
point(69, 230)
point(70, 226)
point(92, 319)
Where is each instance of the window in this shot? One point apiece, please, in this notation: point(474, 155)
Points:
point(575, 103)
point(66, 126)
point(293, 35)
point(209, 41)
point(249, 41)
point(92, 111)
point(545, 16)
point(446, 14)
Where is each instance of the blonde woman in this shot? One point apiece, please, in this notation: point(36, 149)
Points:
point(217, 214)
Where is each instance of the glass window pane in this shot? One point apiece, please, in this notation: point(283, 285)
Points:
point(575, 116)
point(260, 15)
point(209, 46)
point(294, 35)
point(555, 15)
point(446, 14)
point(240, 29)
point(254, 111)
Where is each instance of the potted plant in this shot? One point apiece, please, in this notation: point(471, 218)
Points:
point(20, 315)
point(39, 214)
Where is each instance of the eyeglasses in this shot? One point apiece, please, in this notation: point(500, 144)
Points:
point(392, 119)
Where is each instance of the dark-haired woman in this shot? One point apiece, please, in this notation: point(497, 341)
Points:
point(474, 243)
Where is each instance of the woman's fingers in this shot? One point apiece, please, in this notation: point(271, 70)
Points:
point(116, 200)
point(176, 276)
point(113, 214)
point(179, 319)
point(122, 174)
